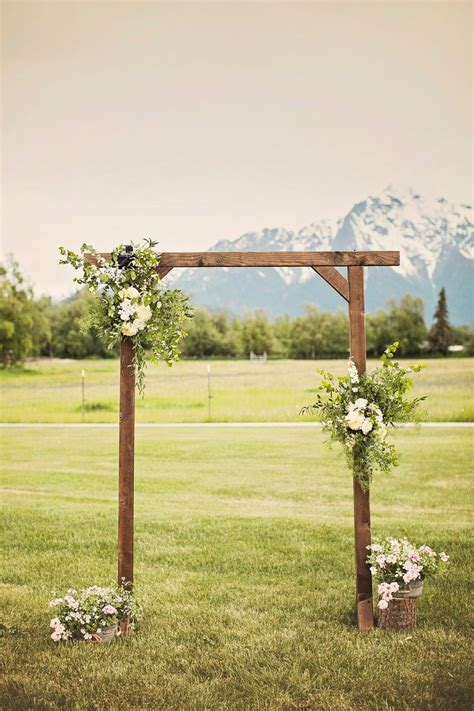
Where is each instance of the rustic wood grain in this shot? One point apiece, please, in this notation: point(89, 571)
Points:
point(399, 615)
point(362, 537)
point(163, 271)
point(334, 279)
point(126, 464)
point(271, 259)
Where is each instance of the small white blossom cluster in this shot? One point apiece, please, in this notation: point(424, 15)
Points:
point(83, 615)
point(362, 416)
point(353, 376)
point(397, 563)
point(132, 310)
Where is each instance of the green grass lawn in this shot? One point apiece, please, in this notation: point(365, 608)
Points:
point(244, 565)
point(50, 391)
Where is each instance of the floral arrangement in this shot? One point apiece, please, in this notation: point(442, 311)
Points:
point(85, 615)
point(357, 410)
point(396, 563)
point(131, 301)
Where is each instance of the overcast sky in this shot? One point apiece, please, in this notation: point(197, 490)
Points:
point(198, 121)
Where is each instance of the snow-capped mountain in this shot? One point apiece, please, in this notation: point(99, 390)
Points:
point(435, 238)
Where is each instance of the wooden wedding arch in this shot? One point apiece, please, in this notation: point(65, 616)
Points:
point(352, 290)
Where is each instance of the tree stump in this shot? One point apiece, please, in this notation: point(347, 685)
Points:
point(399, 615)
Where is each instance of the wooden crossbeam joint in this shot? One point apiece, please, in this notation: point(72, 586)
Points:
point(334, 279)
point(163, 271)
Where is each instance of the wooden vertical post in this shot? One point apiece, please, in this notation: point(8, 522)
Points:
point(364, 604)
point(126, 464)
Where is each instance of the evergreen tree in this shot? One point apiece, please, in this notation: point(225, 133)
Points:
point(441, 334)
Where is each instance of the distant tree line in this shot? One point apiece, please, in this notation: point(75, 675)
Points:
point(40, 327)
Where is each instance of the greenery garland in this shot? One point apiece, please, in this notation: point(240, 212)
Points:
point(132, 302)
point(357, 410)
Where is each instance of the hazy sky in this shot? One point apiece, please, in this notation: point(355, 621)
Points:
point(191, 122)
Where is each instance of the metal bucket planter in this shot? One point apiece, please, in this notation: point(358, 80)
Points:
point(412, 591)
point(107, 634)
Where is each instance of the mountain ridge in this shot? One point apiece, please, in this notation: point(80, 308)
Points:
point(435, 238)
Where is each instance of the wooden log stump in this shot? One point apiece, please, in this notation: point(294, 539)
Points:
point(399, 615)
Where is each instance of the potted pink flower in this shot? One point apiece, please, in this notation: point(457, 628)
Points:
point(401, 569)
point(94, 615)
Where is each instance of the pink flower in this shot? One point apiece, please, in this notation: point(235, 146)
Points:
point(444, 557)
point(428, 551)
point(380, 560)
point(109, 610)
point(383, 604)
point(56, 637)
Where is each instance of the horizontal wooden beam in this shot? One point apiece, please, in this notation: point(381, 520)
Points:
point(334, 279)
point(273, 259)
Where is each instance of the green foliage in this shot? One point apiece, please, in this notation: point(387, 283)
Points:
point(357, 409)
point(73, 336)
point(24, 324)
point(441, 335)
point(464, 336)
point(315, 334)
point(404, 319)
point(130, 302)
point(210, 335)
point(256, 334)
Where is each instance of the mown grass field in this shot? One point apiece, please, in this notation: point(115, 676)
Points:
point(50, 391)
point(244, 565)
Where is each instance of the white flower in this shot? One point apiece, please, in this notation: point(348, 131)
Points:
point(361, 403)
point(366, 426)
point(126, 310)
point(380, 560)
point(55, 622)
point(373, 570)
point(56, 637)
point(109, 610)
point(354, 420)
point(383, 604)
point(139, 324)
point(444, 557)
point(129, 293)
point(129, 329)
point(394, 587)
point(143, 313)
point(73, 604)
point(352, 370)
